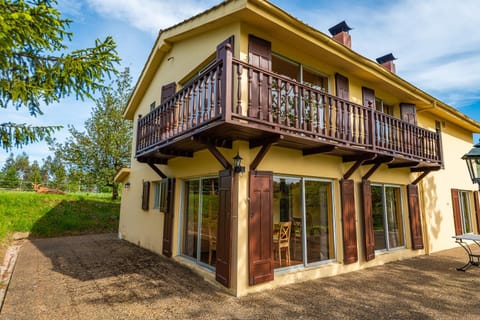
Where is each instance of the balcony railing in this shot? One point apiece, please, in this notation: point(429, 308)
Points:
point(237, 92)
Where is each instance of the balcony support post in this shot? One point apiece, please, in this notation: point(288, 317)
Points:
point(224, 53)
point(358, 162)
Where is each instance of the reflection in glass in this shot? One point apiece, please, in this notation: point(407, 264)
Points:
point(287, 206)
point(319, 221)
point(200, 220)
point(387, 217)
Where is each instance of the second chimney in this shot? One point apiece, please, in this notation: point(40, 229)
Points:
point(340, 34)
point(387, 62)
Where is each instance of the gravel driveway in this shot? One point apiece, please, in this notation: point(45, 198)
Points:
point(101, 277)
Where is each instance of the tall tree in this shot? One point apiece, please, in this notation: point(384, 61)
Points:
point(104, 148)
point(10, 178)
point(36, 66)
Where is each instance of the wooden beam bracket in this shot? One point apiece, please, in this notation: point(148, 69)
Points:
point(260, 155)
point(317, 150)
point(157, 170)
point(272, 139)
point(376, 164)
point(358, 162)
point(219, 156)
point(425, 172)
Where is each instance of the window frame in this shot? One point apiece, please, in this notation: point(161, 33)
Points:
point(385, 218)
point(301, 67)
point(305, 263)
point(463, 215)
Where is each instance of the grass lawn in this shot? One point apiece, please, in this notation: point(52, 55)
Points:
point(52, 215)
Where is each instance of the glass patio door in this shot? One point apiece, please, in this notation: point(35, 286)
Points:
point(200, 220)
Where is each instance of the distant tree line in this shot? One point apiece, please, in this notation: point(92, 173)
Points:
point(86, 161)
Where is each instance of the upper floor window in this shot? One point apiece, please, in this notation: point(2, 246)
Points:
point(299, 72)
point(384, 107)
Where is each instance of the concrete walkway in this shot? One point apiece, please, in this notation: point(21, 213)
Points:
point(101, 277)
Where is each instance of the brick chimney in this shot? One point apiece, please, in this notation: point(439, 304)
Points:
point(340, 34)
point(387, 62)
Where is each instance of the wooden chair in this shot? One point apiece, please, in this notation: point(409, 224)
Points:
point(283, 241)
point(297, 235)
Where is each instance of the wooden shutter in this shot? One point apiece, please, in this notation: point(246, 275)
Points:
point(477, 209)
point(368, 220)
point(224, 229)
point(415, 219)
point(145, 195)
point(348, 221)
point(368, 96)
point(168, 91)
point(456, 212)
point(408, 112)
point(260, 227)
point(259, 55)
point(169, 215)
point(341, 85)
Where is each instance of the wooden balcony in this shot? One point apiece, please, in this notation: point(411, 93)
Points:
point(234, 100)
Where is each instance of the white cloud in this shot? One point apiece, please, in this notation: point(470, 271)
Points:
point(435, 41)
point(150, 15)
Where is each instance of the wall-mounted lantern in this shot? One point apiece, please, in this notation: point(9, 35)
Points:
point(473, 160)
point(127, 185)
point(237, 164)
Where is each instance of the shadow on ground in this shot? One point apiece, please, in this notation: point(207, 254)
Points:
point(101, 277)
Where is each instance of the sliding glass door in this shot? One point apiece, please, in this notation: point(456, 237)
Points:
point(199, 237)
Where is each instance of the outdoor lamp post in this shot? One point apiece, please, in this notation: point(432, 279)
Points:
point(473, 159)
point(237, 164)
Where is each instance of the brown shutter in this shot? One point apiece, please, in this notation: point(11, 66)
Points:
point(477, 209)
point(224, 229)
point(168, 91)
point(415, 220)
point(260, 226)
point(348, 221)
point(145, 195)
point(341, 85)
point(456, 212)
point(368, 220)
point(169, 215)
point(408, 112)
point(259, 55)
point(368, 96)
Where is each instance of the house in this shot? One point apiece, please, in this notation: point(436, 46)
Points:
point(266, 152)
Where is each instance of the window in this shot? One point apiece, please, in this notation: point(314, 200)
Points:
point(387, 217)
point(299, 72)
point(465, 211)
point(381, 106)
point(160, 195)
point(156, 194)
point(306, 205)
point(200, 220)
point(462, 212)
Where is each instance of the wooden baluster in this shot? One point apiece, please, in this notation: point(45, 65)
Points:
point(212, 94)
point(251, 112)
point(239, 89)
point(312, 97)
point(261, 107)
point(287, 104)
point(269, 97)
point(295, 108)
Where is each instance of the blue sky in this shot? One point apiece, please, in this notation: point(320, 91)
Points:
point(436, 43)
